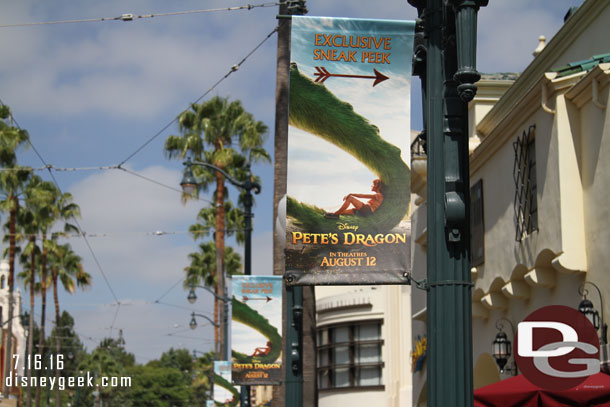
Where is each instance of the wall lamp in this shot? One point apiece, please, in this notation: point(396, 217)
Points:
point(501, 348)
point(587, 309)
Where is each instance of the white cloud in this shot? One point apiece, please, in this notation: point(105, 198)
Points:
point(143, 206)
point(122, 213)
point(122, 69)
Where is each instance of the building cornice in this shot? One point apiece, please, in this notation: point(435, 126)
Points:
point(569, 32)
point(587, 89)
point(537, 97)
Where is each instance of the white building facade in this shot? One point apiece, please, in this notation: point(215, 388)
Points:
point(19, 335)
point(363, 345)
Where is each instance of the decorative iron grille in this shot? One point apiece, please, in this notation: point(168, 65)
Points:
point(418, 146)
point(524, 174)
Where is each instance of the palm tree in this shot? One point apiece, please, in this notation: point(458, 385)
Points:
point(66, 267)
point(202, 270)
point(209, 131)
point(206, 220)
point(59, 206)
point(203, 265)
point(12, 180)
point(38, 211)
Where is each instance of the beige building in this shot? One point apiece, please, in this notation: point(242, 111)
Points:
point(540, 179)
point(363, 344)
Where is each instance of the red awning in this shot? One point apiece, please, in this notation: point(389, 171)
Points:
point(519, 392)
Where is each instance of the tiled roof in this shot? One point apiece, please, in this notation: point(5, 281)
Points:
point(581, 66)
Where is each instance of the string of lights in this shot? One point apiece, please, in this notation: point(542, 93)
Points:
point(131, 17)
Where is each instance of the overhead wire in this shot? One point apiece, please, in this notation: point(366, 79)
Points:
point(109, 167)
point(50, 167)
point(194, 338)
point(160, 183)
point(80, 334)
point(181, 307)
point(234, 68)
point(156, 233)
point(170, 289)
point(99, 266)
point(131, 17)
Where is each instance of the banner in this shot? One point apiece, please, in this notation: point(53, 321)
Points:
point(225, 394)
point(348, 180)
point(256, 330)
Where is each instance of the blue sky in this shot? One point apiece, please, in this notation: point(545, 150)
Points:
point(91, 94)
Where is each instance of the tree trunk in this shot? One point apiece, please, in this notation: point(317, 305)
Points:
point(220, 251)
point(58, 333)
point(8, 369)
point(216, 342)
point(31, 327)
point(43, 301)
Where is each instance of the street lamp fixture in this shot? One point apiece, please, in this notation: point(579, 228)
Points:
point(192, 297)
point(588, 310)
point(501, 347)
point(188, 183)
point(193, 323)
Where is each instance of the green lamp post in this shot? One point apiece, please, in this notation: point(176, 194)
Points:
point(189, 183)
point(445, 59)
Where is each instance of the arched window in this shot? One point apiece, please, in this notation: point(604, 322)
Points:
point(2, 280)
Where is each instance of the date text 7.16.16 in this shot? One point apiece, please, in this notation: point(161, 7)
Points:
point(40, 362)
